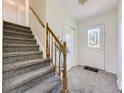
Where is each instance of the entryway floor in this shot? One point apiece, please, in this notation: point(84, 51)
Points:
point(84, 81)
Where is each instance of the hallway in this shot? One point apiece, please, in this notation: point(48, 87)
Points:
point(46, 44)
point(84, 81)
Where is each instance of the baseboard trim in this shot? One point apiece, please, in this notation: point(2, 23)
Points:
point(119, 85)
point(38, 42)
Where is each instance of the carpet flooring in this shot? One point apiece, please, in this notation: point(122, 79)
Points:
point(84, 81)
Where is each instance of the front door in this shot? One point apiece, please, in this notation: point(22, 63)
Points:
point(94, 47)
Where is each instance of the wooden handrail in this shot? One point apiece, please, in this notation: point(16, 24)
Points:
point(58, 41)
point(49, 51)
point(44, 26)
point(38, 18)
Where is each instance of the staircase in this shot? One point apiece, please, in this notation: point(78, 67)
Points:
point(24, 68)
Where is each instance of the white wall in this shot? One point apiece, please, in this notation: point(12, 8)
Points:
point(50, 11)
point(39, 7)
point(56, 16)
point(110, 21)
point(14, 11)
point(119, 48)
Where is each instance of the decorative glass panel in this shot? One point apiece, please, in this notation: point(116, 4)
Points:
point(94, 38)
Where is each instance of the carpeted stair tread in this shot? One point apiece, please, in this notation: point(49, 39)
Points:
point(13, 66)
point(18, 38)
point(24, 68)
point(20, 48)
point(17, 33)
point(24, 78)
point(17, 25)
point(46, 86)
point(18, 41)
point(12, 54)
point(14, 28)
point(15, 57)
point(19, 45)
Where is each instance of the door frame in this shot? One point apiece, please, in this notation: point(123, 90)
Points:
point(64, 22)
point(27, 12)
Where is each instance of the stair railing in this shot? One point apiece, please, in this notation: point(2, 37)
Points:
point(57, 52)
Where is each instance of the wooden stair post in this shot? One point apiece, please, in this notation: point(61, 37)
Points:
point(47, 47)
point(65, 81)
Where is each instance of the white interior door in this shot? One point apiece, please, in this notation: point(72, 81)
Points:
point(69, 37)
point(94, 47)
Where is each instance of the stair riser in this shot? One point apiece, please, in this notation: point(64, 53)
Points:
point(20, 49)
point(30, 84)
point(18, 41)
point(23, 70)
point(21, 58)
point(18, 35)
point(17, 30)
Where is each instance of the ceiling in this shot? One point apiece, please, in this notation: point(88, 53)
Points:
point(91, 8)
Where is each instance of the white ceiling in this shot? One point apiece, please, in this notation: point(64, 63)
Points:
point(91, 8)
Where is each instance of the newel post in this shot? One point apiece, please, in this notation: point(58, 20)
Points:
point(65, 81)
point(47, 48)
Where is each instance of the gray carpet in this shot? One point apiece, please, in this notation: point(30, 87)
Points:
point(84, 81)
point(24, 68)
